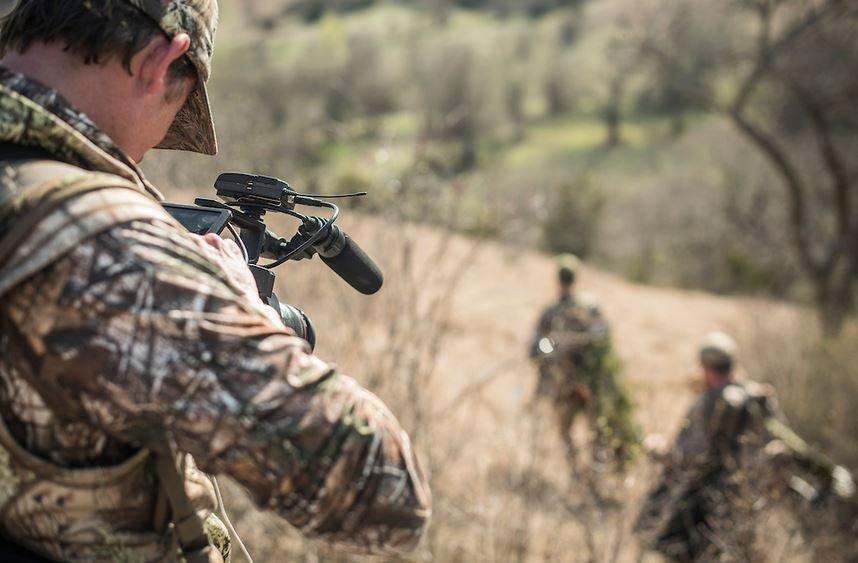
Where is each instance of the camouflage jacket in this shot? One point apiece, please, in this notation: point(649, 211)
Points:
point(740, 426)
point(114, 328)
point(697, 480)
point(733, 434)
point(570, 325)
point(724, 423)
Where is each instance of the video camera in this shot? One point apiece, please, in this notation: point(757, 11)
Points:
point(246, 199)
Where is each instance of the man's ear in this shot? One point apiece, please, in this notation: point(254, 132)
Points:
point(156, 58)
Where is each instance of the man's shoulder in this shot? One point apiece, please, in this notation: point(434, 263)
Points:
point(588, 302)
point(577, 302)
point(762, 396)
point(18, 175)
point(41, 190)
point(48, 208)
point(583, 307)
point(739, 394)
point(732, 397)
point(738, 403)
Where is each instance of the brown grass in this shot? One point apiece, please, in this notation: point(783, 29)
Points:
point(444, 344)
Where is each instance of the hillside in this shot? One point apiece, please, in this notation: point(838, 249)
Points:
point(502, 490)
point(503, 290)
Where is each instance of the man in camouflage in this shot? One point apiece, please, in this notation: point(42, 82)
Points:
point(733, 442)
point(125, 340)
point(578, 371)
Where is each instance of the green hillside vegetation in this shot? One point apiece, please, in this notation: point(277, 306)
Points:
point(565, 132)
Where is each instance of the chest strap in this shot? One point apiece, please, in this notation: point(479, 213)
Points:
point(187, 524)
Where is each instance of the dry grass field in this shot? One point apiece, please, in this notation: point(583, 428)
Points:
point(445, 344)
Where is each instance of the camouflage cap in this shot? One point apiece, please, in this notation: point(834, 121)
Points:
point(718, 349)
point(193, 128)
point(6, 7)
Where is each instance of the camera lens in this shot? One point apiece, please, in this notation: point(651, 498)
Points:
point(298, 321)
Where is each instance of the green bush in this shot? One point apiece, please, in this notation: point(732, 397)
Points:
point(573, 218)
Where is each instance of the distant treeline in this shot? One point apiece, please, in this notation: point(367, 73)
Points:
point(585, 107)
point(311, 10)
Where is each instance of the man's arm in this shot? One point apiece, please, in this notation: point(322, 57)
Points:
point(789, 451)
point(137, 329)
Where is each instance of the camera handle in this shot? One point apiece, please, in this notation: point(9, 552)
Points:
point(257, 239)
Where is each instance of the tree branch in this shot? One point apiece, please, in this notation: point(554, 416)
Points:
point(834, 164)
point(793, 183)
point(768, 52)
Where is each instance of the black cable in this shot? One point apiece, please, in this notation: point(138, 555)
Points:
point(238, 240)
point(313, 238)
point(334, 196)
point(300, 216)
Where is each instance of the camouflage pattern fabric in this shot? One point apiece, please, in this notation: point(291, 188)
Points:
point(580, 374)
point(131, 331)
point(193, 128)
point(733, 442)
point(197, 18)
point(678, 517)
point(571, 325)
point(618, 435)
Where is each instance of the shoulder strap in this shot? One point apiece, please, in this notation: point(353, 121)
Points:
point(45, 190)
point(188, 526)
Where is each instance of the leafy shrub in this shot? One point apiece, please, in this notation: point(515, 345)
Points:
point(573, 218)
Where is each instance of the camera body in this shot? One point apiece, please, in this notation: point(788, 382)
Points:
point(246, 199)
point(293, 317)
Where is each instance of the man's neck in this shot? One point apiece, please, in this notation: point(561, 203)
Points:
point(88, 88)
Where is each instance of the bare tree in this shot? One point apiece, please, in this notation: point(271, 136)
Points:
point(626, 56)
point(798, 58)
point(797, 62)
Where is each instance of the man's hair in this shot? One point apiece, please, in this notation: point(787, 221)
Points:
point(566, 276)
point(96, 30)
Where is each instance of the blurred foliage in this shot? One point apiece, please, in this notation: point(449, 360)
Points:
point(617, 432)
point(512, 102)
point(813, 378)
point(312, 10)
point(572, 221)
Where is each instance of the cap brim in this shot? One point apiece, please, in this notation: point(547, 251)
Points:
point(193, 128)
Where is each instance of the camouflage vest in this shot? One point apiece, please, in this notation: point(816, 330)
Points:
point(573, 326)
point(570, 317)
point(721, 417)
point(144, 507)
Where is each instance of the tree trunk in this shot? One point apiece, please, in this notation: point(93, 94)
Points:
point(612, 113)
point(831, 313)
point(677, 124)
point(835, 297)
